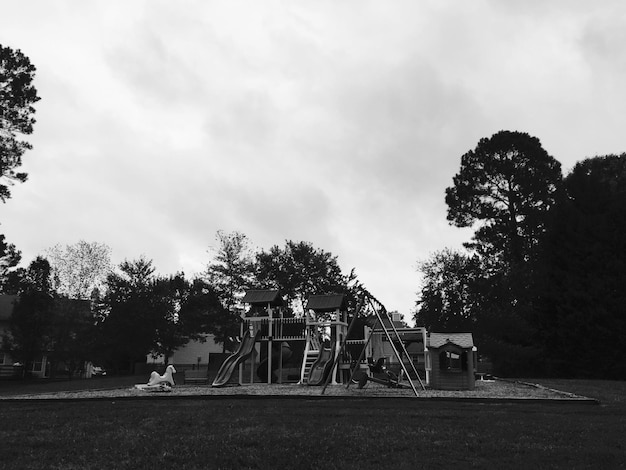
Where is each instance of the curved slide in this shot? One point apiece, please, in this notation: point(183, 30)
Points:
point(321, 367)
point(230, 364)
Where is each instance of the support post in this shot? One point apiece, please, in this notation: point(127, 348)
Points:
point(393, 346)
point(269, 344)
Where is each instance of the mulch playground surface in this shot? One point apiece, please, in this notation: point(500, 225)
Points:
point(485, 391)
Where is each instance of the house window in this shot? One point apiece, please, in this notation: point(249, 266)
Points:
point(417, 358)
point(38, 364)
point(452, 361)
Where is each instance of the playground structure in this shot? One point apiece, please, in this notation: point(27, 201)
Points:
point(336, 347)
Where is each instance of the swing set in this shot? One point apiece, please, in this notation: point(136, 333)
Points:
point(369, 306)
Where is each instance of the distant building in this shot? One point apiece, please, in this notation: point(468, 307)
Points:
point(6, 309)
point(41, 366)
point(194, 354)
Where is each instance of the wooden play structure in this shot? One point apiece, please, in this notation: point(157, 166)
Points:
point(326, 328)
point(274, 336)
point(318, 333)
point(329, 345)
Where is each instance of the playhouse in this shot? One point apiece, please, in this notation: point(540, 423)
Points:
point(450, 361)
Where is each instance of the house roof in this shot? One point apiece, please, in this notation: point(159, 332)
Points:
point(6, 306)
point(327, 303)
point(387, 324)
point(462, 340)
point(263, 297)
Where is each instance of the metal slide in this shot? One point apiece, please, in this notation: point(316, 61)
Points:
point(230, 364)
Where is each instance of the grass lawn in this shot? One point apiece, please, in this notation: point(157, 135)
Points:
point(318, 434)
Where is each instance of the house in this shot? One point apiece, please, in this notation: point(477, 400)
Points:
point(193, 355)
point(412, 338)
point(450, 361)
point(7, 369)
point(75, 314)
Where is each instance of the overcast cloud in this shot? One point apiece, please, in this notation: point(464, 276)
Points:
point(340, 123)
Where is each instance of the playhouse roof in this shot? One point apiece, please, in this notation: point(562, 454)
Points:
point(462, 340)
point(263, 297)
point(327, 303)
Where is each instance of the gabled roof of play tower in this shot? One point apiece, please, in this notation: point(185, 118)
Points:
point(327, 303)
point(263, 297)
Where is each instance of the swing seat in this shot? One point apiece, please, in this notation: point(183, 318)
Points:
point(378, 367)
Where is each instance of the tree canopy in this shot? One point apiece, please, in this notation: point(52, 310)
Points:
point(583, 289)
point(31, 319)
point(545, 291)
point(127, 317)
point(299, 270)
point(10, 258)
point(144, 313)
point(79, 270)
point(506, 186)
point(447, 302)
point(187, 311)
point(17, 97)
point(505, 190)
point(232, 270)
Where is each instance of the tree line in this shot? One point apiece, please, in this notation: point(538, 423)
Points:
point(542, 282)
point(73, 307)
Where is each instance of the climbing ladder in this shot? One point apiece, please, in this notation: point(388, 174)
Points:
point(369, 304)
point(311, 353)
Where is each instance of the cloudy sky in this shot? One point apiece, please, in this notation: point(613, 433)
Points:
point(336, 122)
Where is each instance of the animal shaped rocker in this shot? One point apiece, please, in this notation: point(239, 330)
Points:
point(159, 383)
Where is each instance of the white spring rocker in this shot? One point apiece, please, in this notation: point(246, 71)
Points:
point(159, 383)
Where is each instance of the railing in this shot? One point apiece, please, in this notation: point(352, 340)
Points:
point(289, 328)
point(314, 343)
point(326, 323)
point(353, 349)
point(282, 329)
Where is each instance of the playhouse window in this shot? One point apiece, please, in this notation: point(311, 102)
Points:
point(449, 360)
